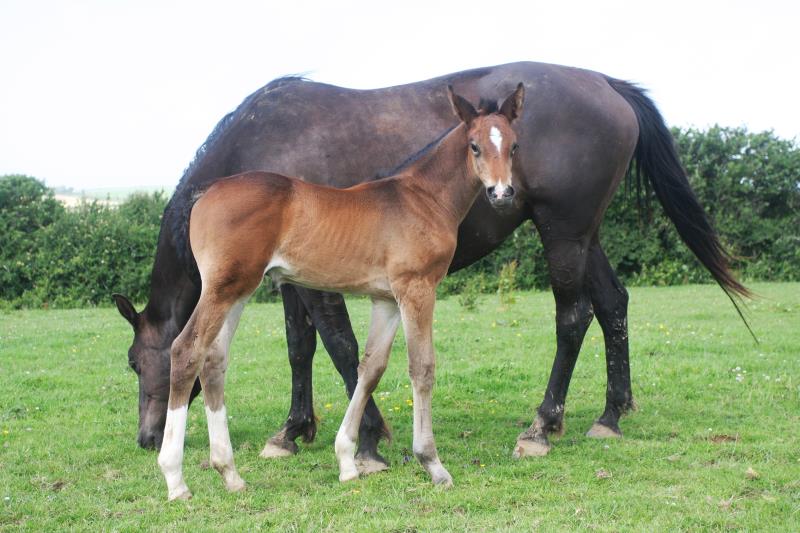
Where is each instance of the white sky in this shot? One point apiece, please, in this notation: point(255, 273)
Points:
point(118, 94)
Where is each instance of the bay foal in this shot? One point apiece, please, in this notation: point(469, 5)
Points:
point(392, 239)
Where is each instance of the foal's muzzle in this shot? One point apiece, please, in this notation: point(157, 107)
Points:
point(500, 197)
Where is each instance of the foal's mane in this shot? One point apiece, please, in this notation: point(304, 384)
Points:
point(413, 158)
point(486, 107)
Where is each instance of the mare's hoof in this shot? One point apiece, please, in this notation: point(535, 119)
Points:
point(369, 464)
point(278, 448)
point(600, 431)
point(530, 448)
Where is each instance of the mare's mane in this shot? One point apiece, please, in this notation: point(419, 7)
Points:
point(190, 186)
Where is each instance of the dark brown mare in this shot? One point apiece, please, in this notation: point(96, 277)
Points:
point(578, 136)
point(392, 239)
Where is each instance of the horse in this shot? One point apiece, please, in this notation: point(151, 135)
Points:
point(581, 133)
point(392, 239)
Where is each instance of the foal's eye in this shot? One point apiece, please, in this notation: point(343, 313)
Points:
point(514, 149)
point(475, 149)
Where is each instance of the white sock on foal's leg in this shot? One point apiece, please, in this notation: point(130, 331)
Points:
point(345, 444)
point(170, 458)
point(221, 456)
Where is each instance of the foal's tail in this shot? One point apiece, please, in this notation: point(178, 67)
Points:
point(657, 160)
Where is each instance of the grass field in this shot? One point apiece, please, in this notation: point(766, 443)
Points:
point(714, 445)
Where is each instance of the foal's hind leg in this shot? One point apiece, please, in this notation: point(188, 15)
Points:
point(566, 260)
point(329, 313)
point(610, 302)
point(188, 356)
point(301, 340)
point(212, 378)
point(385, 320)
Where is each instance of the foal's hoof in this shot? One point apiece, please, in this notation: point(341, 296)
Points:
point(182, 493)
point(600, 431)
point(530, 448)
point(276, 447)
point(443, 480)
point(235, 485)
point(348, 475)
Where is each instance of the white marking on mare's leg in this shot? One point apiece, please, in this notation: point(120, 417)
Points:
point(170, 458)
point(221, 457)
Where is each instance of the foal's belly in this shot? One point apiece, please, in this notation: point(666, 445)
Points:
point(334, 276)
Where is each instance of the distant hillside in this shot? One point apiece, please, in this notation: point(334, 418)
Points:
point(106, 195)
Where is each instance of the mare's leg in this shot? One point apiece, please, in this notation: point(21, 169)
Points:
point(416, 308)
point(610, 303)
point(383, 327)
point(301, 340)
point(212, 377)
point(188, 355)
point(566, 261)
point(329, 314)
point(306, 312)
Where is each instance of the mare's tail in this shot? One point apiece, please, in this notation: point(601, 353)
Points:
point(657, 160)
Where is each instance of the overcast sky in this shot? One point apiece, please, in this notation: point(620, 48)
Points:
point(117, 94)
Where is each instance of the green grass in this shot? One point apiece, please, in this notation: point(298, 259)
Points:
point(712, 405)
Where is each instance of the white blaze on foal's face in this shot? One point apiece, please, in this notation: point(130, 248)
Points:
point(497, 139)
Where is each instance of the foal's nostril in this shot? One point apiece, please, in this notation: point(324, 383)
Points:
point(490, 192)
point(509, 192)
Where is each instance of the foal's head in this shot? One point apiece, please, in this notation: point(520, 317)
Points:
point(492, 142)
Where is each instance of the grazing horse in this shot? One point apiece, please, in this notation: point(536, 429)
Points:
point(577, 138)
point(392, 239)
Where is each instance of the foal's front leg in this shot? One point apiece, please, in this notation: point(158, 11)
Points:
point(416, 309)
point(385, 320)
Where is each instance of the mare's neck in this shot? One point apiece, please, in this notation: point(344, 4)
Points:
point(442, 176)
point(173, 295)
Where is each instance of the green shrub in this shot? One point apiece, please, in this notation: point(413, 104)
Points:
point(507, 283)
point(27, 207)
point(84, 254)
point(468, 296)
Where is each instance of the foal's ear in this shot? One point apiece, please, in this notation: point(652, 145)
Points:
point(126, 309)
point(461, 107)
point(512, 107)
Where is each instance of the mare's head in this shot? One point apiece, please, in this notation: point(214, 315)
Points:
point(148, 356)
point(492, 143)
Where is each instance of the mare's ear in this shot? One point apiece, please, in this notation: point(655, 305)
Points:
point(461, 107)
point(512, 107)
point(126, 309)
